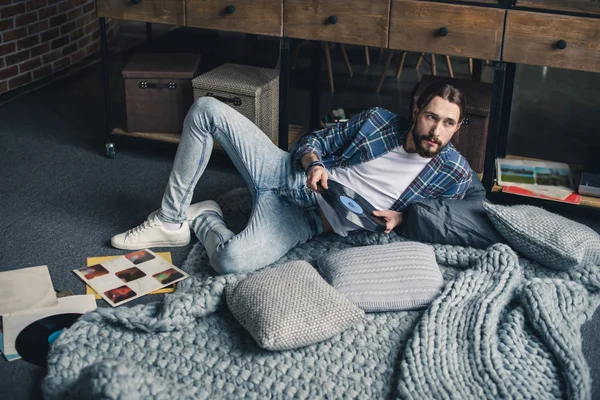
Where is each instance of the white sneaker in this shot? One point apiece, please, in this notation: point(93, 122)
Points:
point(151, 233)
point(198, 208)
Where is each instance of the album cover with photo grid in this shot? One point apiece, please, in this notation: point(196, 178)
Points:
point(121, 279)
point(99, 260)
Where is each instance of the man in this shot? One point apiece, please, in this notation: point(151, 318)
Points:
point(380, 156)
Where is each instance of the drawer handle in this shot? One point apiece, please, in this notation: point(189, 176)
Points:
point(561, 44)
point(236, 101)
point(230, 9)
point(136, 1)
point(332, 20)
point(149, 85)
point(443, 31)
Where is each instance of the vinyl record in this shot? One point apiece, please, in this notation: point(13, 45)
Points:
point(34, 341)
point(350, 205)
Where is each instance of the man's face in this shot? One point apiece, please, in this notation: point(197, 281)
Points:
point(434, 126)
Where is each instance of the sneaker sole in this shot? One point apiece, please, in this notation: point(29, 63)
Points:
point(147, 245)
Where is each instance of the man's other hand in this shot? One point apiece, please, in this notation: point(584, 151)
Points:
point(317, 175)
point(392, 218)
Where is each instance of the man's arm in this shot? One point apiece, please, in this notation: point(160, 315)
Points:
point(459, 187)
point(330, 140)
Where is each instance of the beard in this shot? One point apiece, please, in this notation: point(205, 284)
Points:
point(424, 149)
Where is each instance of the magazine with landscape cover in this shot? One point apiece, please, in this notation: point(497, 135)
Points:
point(552, 180)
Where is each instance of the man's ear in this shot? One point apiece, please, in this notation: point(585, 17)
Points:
point(458, 126)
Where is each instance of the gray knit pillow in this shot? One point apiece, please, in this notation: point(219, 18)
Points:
point(290, 306)
point(389, 277)
point(547, 238)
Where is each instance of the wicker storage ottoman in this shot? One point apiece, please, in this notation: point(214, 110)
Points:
point(471, 138)
point(253, 91)
point(158, 91)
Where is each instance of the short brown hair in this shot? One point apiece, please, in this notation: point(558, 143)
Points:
point(446, 92)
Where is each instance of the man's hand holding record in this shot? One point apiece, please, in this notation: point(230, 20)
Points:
point(392, 218)
point(353, 207)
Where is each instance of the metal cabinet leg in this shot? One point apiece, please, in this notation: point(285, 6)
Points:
point(148, 31)
point(504, 77)
point(110, 146)
point(315, 86)
point(284, 84)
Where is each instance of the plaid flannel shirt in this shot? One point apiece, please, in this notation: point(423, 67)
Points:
point(375, 132)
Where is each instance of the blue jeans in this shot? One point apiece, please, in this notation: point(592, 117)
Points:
point(284, 211)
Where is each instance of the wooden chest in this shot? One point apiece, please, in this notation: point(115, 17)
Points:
point(253, 91)
point(158, 91)
point(471, 138)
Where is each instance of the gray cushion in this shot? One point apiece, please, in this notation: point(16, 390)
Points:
point(290, 306)
point(547, 238)
point(388, 277)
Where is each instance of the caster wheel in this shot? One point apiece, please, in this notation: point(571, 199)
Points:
point(110, 150)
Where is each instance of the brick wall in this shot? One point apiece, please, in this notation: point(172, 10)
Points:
point(40, 37)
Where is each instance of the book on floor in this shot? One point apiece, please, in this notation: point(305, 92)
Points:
point(99, 260)
point(573, 198)
point(551, 179)
point(124, 278)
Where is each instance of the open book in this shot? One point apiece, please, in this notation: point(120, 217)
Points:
point(551, 179)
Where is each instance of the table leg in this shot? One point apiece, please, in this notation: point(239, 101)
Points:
point(477, 70)
point(148, 31)
point(504, 77)
point(109, 145)
point(284, 85)
point(315, 87)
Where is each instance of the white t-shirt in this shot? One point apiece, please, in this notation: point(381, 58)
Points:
point(380, 181)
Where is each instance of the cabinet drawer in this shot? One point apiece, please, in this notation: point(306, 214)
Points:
point(583, 6)
point(261, 17)
point(159, 11)
point(449, 29)
point(534, 38)
point(344, 21)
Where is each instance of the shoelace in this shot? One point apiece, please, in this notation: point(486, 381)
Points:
point(149, 223)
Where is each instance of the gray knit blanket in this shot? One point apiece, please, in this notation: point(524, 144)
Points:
point(504, 327)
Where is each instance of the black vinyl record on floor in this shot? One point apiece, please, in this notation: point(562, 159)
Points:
point(350, 205)
point(33, 342)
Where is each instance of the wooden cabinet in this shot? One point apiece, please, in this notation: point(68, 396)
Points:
point(362, 22)
point(552, 40)
point(157, 11)
point(483, 2)
point(582, 6)
point(448, 29)
point(261, 17)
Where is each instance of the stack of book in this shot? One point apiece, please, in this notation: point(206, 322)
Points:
point(541, 179)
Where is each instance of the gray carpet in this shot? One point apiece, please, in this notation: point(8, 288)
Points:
point(61, 200)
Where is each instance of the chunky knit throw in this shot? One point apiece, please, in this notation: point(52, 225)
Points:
point(503, 327)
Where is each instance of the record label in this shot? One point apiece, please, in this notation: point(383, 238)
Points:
point(351, 205)
point(34, 341)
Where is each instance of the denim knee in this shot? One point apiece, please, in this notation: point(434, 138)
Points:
point(228, 260)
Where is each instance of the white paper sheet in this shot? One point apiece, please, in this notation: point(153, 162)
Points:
point(14, 323)
point(26, 289)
